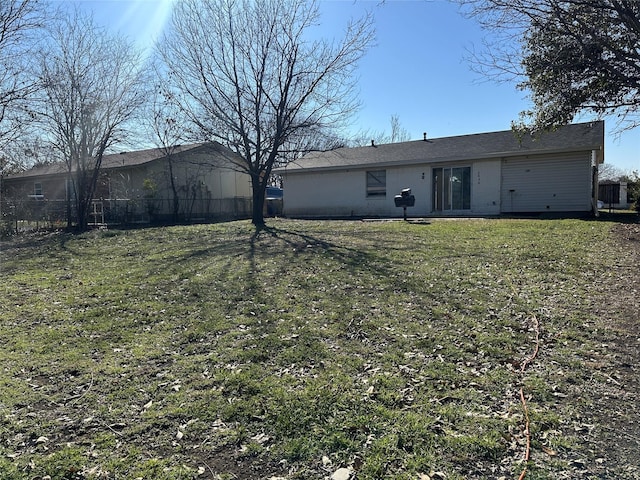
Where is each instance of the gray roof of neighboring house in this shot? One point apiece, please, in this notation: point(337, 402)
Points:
point(126, 159)
point(581, 136)
point(139, 157)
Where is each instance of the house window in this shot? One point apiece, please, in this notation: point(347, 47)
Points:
point(377, 183)
point(37, 188)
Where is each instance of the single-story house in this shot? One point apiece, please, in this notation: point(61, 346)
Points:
point(136, 186)
point(481, 174)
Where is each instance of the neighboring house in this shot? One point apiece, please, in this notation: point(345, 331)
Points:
point(482, 174)
point(613, 194)
point(136, 187)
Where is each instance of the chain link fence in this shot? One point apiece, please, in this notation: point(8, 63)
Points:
point(32, 214)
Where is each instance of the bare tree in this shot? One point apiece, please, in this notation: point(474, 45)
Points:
point(398, 134)
point(608, 171)
point(20, 20)
point(168, 132)
point(91, 88)
point(251, 77)
point(571, 55)
point(25, 152)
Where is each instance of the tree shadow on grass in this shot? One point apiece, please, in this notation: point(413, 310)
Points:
point(357, 260)
point(265, 242)
point(372, 263)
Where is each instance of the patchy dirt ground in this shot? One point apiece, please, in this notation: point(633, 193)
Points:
point(615, 411)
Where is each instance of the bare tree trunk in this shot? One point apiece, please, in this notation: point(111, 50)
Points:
point(168, 132)
point(174, 189)
point(68, 187)
point(258, 189)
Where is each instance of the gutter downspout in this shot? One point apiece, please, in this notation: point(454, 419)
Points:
point(594, 183)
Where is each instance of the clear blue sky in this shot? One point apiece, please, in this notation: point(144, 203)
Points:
point(418, 69)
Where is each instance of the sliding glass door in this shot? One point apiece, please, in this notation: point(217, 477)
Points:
point(451, 188)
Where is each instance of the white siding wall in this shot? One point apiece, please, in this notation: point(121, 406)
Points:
point(485, 187)
point(410, 177)
point(218, 175)
point(343, 192)
point(220, 185)
point(225, 183)
point(337, 193)
point(560, 183)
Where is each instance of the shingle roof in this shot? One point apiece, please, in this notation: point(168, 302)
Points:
point(581, 136)
point(117, 160)
point(139, 157)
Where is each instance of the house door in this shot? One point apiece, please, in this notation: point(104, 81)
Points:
point(451, 189)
